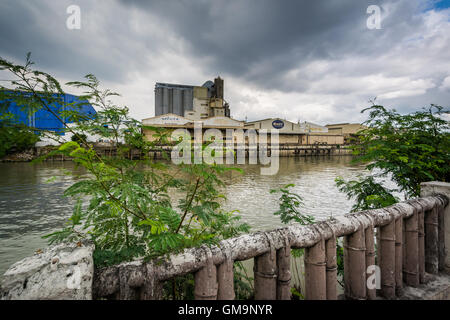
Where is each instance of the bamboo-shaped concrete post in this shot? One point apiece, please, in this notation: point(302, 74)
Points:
point(265, 274)
point(441, 237)
point(152, 288)
point(284, 273)
point(431, 241)
point(225, 279)
point(331, 268)
point(370, 260)
point(411, 263)
point(404, 247)
point(205, 280)
point(387, 259)
point(315, 272)
point(130, 280)
point(355, 265)
point(399, 256)
point(421, 235)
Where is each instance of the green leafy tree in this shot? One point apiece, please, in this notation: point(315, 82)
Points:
point(15, 137)
point(124, 206)
point(368, 193)
point(407, 148)
point(79, 138)
point(290, 205)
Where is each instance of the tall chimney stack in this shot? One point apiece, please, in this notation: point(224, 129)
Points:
point(218, 87)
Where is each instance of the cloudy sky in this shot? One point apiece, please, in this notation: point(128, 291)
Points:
point(299, 60)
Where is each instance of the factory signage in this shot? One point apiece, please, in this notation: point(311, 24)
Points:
point(170, 119)
point(277, 124)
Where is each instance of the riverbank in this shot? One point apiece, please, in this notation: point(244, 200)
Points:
point(106, 150)
point(24, 156)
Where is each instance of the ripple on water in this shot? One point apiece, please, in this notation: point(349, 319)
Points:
point(30, 207)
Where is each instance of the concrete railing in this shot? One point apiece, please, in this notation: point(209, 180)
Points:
point(411, 240)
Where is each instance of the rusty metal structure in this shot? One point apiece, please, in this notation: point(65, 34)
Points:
point(409, 237)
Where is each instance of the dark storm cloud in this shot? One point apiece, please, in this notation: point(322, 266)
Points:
point(261, 40)
point(297, 59)
point(101, 46)
point(255, 40)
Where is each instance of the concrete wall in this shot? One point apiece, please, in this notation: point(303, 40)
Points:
point(328, 139)
point(344, 129)
point(221, 121)
point(60, 272)
point(200, 109)
point(290, 139)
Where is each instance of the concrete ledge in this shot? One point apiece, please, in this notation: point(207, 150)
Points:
point(437, 287)
point(60, 272)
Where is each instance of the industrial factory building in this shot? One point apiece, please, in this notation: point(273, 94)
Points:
point(191, 102)
point(181, 106)
point(173, 121)
point(347, 130)
point(301, 133)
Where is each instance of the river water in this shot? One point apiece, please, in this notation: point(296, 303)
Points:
point(32, 205)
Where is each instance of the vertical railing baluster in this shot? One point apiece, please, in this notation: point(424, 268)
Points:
point(404, 247)
point(315, 272)
point(225, 280)
point(370, 259)
point(387, 259)
point(431, 241)
point(355, 276)
point(205, 280)
point(421, 236)
point(130, 280)
point(331, 269)
point(152, 288)
point(284, 272)
point(441, 237)
point(411, 263)
point(399, 256)
point(265, 274)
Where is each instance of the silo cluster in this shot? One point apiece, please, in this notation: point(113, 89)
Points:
point(170, 98)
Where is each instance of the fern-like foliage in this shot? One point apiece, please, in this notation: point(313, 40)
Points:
point(124, 205)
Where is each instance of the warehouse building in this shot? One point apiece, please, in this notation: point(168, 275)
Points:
point(173, 121)
point(43, 119)
point(301, 133)
point(290, 133)
point(347, 130)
